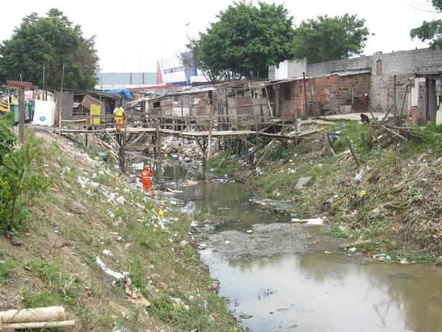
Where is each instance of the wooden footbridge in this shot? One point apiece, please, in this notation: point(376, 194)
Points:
point(238, 114)
point(138, 139)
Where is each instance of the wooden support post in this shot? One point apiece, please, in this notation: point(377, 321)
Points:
point(305, 97)
point(395, 95)
point(277, 101)
point(121, 152)
point(60, 107)
point(209, 138)
point(21, 106)
point(203, 147)
point(121, 139)
point(158, 150)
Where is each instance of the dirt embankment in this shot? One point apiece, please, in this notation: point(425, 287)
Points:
point(115, 258)
point(386, 194)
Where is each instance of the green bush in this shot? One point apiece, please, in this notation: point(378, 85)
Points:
point(21, 180)
point(7, 139)
point(7, 268)
point(435, 128)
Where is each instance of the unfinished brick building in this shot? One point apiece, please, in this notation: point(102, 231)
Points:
point(409, 81)
point(335, 93)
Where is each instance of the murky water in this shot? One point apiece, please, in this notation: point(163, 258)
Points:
point(318, 292)
point(306, 289)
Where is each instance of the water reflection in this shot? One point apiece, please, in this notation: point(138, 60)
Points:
point(228, 203)
point(312, 292)
point(318, 292)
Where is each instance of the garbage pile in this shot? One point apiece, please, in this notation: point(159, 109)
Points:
point(182, 149)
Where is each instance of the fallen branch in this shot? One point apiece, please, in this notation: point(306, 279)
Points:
point(395, 133)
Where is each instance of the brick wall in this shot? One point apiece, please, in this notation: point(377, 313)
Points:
point(403, 64)
point(324, 94)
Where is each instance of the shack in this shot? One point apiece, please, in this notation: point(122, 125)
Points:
point(93, 107)
point(341, 92)
point(182, 109)
point(226, 106)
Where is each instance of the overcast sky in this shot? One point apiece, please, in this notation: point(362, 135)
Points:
point(132, 35)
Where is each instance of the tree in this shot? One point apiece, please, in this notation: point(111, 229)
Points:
point(432, 30)
point(49, 42)
point(245, 40)
point(330, 38)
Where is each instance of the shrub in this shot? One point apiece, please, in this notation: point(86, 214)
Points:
point(7, 139)
point(21, 180)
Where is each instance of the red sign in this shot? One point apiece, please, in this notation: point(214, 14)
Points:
point(21, 85)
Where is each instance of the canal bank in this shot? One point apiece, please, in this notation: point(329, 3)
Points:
point(284, 276)
point(378, 190)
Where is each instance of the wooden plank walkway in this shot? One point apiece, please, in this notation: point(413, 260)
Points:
point(190, 134)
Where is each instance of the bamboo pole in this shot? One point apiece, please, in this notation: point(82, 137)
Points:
point(32, 315)
point(37, 325)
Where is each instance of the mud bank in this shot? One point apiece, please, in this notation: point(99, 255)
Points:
point(273, 239)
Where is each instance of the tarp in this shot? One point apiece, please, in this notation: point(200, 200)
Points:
point(124, 92)
point(44, 113)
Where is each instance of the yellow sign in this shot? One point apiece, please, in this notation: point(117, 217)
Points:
point(95, 114)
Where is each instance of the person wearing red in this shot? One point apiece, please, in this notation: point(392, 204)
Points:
point(146, 178)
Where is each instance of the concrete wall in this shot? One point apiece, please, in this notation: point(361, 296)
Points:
point(404, 65)
point(384, 67)
point(329, 67)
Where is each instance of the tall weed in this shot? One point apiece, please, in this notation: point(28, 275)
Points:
point(21, 180)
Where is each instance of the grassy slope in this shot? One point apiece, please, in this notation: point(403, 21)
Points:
point(72, 225)
point(397, 204)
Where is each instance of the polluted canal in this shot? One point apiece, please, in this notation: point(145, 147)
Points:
point(281, 276)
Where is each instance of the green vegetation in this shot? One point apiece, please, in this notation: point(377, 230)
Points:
point(224, 163)
point(91, 212)
point(49, 42)
point(330, 38)
point(245, 40)
point(430, 31)
point(64, 285)
point(7, 269)
point(248, 37)
point(21, 180)
point(392, 198)
point(7, 139)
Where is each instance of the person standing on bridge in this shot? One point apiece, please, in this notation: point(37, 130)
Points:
point(119, 118)
point(146, 178)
